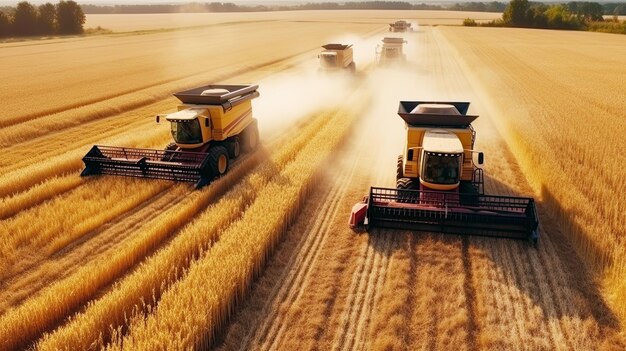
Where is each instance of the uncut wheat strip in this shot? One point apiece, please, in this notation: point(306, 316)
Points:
point(86, 328)
point(235, 259)
point(54, 224)
point(82, 136)
point(110, 237)
point(22, 179)
point(11, 205)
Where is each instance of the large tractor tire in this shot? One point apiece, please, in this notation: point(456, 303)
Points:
point(218, 161)
point(399, 170)
point(406, 184)
point(250, 137)
point(234, 147)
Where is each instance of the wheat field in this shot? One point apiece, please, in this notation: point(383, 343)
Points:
point(263, 258)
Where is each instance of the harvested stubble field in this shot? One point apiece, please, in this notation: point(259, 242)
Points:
point(263, 258)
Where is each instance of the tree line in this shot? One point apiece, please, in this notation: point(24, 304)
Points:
point(66, 17)
point(493, 6)
point(572, 15)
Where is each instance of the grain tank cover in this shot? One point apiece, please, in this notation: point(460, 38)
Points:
point(217, 94)
point(391, 40)
point(436, 113)
point(336, 46)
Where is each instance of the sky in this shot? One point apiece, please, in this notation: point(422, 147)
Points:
point(254, 2)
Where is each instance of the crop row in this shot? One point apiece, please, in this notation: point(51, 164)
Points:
point(189, 313)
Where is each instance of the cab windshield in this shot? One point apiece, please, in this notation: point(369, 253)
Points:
point(441, 168)
point(328, 60)
point(187, 132)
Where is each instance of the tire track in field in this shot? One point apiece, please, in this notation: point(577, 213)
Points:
point(293, 282)
point(366, 285)
point(270, 334)
point(365, 291)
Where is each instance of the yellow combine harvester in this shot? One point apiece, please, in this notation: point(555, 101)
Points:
point(438, 186)
point(400, 26)
point(391, 51)
point(337, 57)
point(213, 125)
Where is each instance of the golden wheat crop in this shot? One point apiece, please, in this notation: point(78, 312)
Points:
point(564, 119)
point(238, 256)
point(262, 258)
point(166, 265)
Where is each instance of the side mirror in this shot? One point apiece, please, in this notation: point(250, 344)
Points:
point(481, 158)
point(158, 119)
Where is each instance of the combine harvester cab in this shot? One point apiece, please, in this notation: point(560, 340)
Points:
point(400, 26)
point(439, 188)
point(337, 58)
point(391, 51)
point(213, 125)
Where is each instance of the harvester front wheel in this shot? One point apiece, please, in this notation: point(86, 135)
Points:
point(218, 160)
point(406, 184)
point(399, 172)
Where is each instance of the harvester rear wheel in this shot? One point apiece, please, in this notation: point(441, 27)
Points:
point(250, 138)
point(218, 160)
point(234, 147)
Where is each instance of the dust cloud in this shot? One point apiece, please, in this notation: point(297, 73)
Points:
point(289, 97)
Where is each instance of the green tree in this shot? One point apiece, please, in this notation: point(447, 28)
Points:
point(5, 25)
point(46, 22)
point(589, 11)
point(516, 13)
point(559, 16)
point(70, 17)
point(25, 19)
